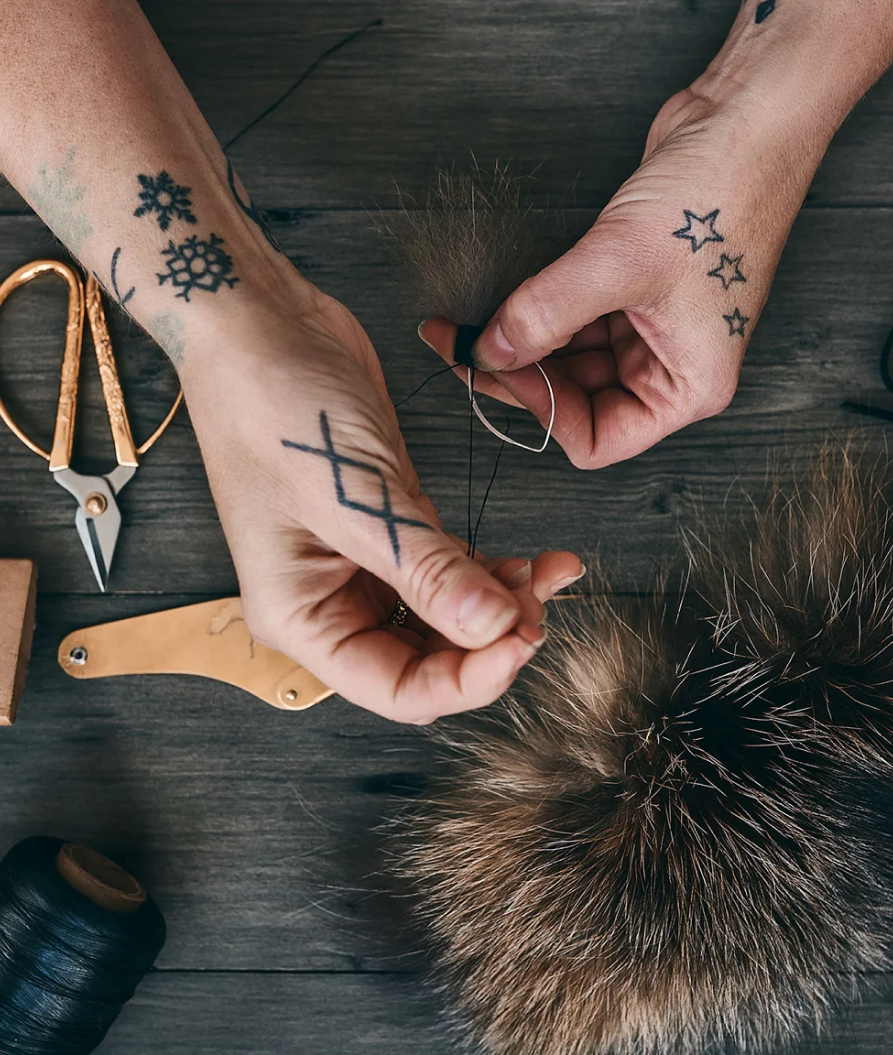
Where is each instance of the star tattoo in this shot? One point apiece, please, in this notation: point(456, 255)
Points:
point(727, 271)
point(736, 322)
point(699, 229)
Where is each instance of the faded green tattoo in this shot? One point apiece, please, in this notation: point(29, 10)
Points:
point(56, 198)
point(167, 329)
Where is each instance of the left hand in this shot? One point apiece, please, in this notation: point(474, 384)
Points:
point(642, 326)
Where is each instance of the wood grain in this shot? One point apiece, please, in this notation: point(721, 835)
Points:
point(569, 87)
point(18, 597)
point(283, 1014)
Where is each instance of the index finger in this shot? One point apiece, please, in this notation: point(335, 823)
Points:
point(383, 673)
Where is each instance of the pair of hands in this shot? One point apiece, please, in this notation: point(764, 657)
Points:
point(321, 506)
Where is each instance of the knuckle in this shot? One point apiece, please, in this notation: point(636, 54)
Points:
point(433, 574)
point(530, 318)
point(716, 400)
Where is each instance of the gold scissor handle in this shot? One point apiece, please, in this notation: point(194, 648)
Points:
point(125, 448)
point(79, 300)
point(66, 410)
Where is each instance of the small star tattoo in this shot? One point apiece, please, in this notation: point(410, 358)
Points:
point(699, 229)
point(736, 323)
point(165, 198)
point(764, 10)
point(727, 271)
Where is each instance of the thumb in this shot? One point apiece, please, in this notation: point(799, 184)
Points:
point(544, 312)
point(378, 526)
point(443, 586)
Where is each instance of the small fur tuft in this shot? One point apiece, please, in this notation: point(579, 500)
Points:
point(475, 238)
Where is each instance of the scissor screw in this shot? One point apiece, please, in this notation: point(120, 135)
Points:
point(291, 695)
point(78, 655)
point(96, 504)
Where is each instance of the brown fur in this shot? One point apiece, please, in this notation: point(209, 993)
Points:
point(638, 854)
point(665, 840)
point(804, 600)
point(475, 238)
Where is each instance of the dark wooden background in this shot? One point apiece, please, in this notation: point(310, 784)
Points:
point(250, 825)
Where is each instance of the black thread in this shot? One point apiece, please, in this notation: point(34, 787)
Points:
point(477, 526)
point(415, 391)
point(297, 84)
point(470, 550)
point(67, 966)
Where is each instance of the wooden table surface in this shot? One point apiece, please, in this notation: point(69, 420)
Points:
point(252, 826)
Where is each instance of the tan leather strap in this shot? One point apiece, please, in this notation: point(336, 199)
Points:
point(209, 640)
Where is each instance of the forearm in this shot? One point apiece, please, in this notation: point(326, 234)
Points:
point(92, 113)
point(802, 64)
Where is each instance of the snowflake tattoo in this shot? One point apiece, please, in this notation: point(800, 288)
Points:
point(197, 264)
point(161, 196)
point(699, 229)
point(727, 271)
point(736, 322)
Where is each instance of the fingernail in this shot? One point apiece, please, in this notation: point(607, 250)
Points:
point(533, 635)
point(499, 354)
point(421, 332)
point(569, 580)
point(485, 613)
point(521, 576)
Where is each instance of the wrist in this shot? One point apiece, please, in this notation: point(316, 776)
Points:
point(804, 68)
point(207, 332)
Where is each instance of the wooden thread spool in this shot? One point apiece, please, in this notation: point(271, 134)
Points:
point(99, 879)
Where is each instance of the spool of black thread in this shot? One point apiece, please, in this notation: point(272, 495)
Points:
point(77, 935)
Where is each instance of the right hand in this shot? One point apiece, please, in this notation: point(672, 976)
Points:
point(305, 459)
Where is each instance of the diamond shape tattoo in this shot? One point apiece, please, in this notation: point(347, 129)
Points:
point(338, 462)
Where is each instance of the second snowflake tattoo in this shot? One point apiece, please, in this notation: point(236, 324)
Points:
point(166, 200)
point(197, 263)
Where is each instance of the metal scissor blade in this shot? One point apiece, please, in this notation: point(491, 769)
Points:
point(97, 528)
point(99, 535)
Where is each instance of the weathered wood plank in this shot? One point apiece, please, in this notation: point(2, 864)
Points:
point(818, 343)
point(571, 86)
point(278, 1014)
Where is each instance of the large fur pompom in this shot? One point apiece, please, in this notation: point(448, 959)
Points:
point(640, 853)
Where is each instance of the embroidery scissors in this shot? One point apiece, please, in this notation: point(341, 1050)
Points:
point(98, 519)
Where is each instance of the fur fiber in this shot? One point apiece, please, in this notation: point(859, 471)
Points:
point(675, 836)
point(475, 238)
